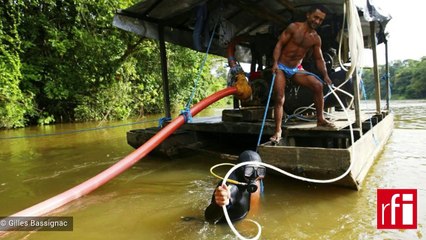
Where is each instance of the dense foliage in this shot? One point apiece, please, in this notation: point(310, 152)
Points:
point(62, 60)
point(15, 103)
point(407, 80)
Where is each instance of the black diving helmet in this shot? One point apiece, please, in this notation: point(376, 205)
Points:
point(252, 172)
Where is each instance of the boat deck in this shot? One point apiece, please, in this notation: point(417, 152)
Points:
point(337, 157)
point(338, 118)
point(248, 123)
point(305, 148)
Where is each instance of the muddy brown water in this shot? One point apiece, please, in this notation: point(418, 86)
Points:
point(162, 198)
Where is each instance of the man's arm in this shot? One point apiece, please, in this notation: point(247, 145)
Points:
point(282, 41)
point(320, 63)
point(231, 49)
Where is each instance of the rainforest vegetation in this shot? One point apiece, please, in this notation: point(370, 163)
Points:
point(63, 61)
point(407, 80)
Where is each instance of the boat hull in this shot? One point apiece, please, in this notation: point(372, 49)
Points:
point(307, 150)
point(328, 163)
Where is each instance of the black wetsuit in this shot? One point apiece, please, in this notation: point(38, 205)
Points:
point(237, 208)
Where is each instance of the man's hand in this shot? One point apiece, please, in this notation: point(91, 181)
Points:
point(222, 195)
point(236, 69)
point(328, 80)
point(275, 68)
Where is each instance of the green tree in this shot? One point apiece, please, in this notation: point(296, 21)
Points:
point(14, 103)
point(71, 53)
point(62, 60)
point(417, 87)
point(407, 79)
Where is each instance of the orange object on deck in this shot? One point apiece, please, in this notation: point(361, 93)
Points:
point(243, 88)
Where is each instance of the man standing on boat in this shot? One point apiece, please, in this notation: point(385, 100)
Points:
point(294, 43)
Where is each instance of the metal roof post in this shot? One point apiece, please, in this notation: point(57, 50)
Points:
point(388, 91)
point(357, 105)
point(375, 67)
point(164, 71)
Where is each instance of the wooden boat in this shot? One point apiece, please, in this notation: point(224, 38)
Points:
point(307, 150)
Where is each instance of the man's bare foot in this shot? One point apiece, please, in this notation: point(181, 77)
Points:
point(276, 137)
point(326, 123)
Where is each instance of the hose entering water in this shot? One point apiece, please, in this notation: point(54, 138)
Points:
point(93, 183)
point(356, 45)
point(312, 180)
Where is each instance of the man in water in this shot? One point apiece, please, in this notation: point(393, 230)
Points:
point(238, 198)
point(294, 43)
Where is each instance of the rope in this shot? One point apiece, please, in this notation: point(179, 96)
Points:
point(162, 120)
point(298, 113)
point(75, 131)
point(363, 91)
point(186, 111)
point(354, 47)
point(384, 78)
point(312, 74)
point(364, 94)
point(269, 99)
point(266, 111)
point(312, 180)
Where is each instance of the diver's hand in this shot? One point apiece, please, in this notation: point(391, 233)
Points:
point(222, 195)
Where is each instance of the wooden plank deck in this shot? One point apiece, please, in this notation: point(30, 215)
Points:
point(338, 118)
point(309, 150)
point(315, 151)
point(295, 132)
point(327, 163)
point(234, 123)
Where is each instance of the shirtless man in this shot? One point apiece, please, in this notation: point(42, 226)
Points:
point(291, 48)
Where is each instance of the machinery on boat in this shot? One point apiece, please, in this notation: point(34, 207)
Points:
point(249, 29)
point(345, 153)
point(307, 149)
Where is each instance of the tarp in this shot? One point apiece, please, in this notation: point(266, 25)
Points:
point(190, 23)
point(373, 12)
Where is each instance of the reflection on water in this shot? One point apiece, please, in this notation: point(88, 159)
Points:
point(165, 198)
point(411, 115)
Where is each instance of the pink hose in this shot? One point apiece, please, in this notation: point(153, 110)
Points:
point(128, 161)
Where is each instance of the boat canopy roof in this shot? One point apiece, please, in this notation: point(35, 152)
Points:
point(190, 23)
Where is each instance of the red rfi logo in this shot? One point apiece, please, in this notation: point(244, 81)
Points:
point(396, 208)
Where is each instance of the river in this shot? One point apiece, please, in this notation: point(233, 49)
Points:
point(162, 198)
